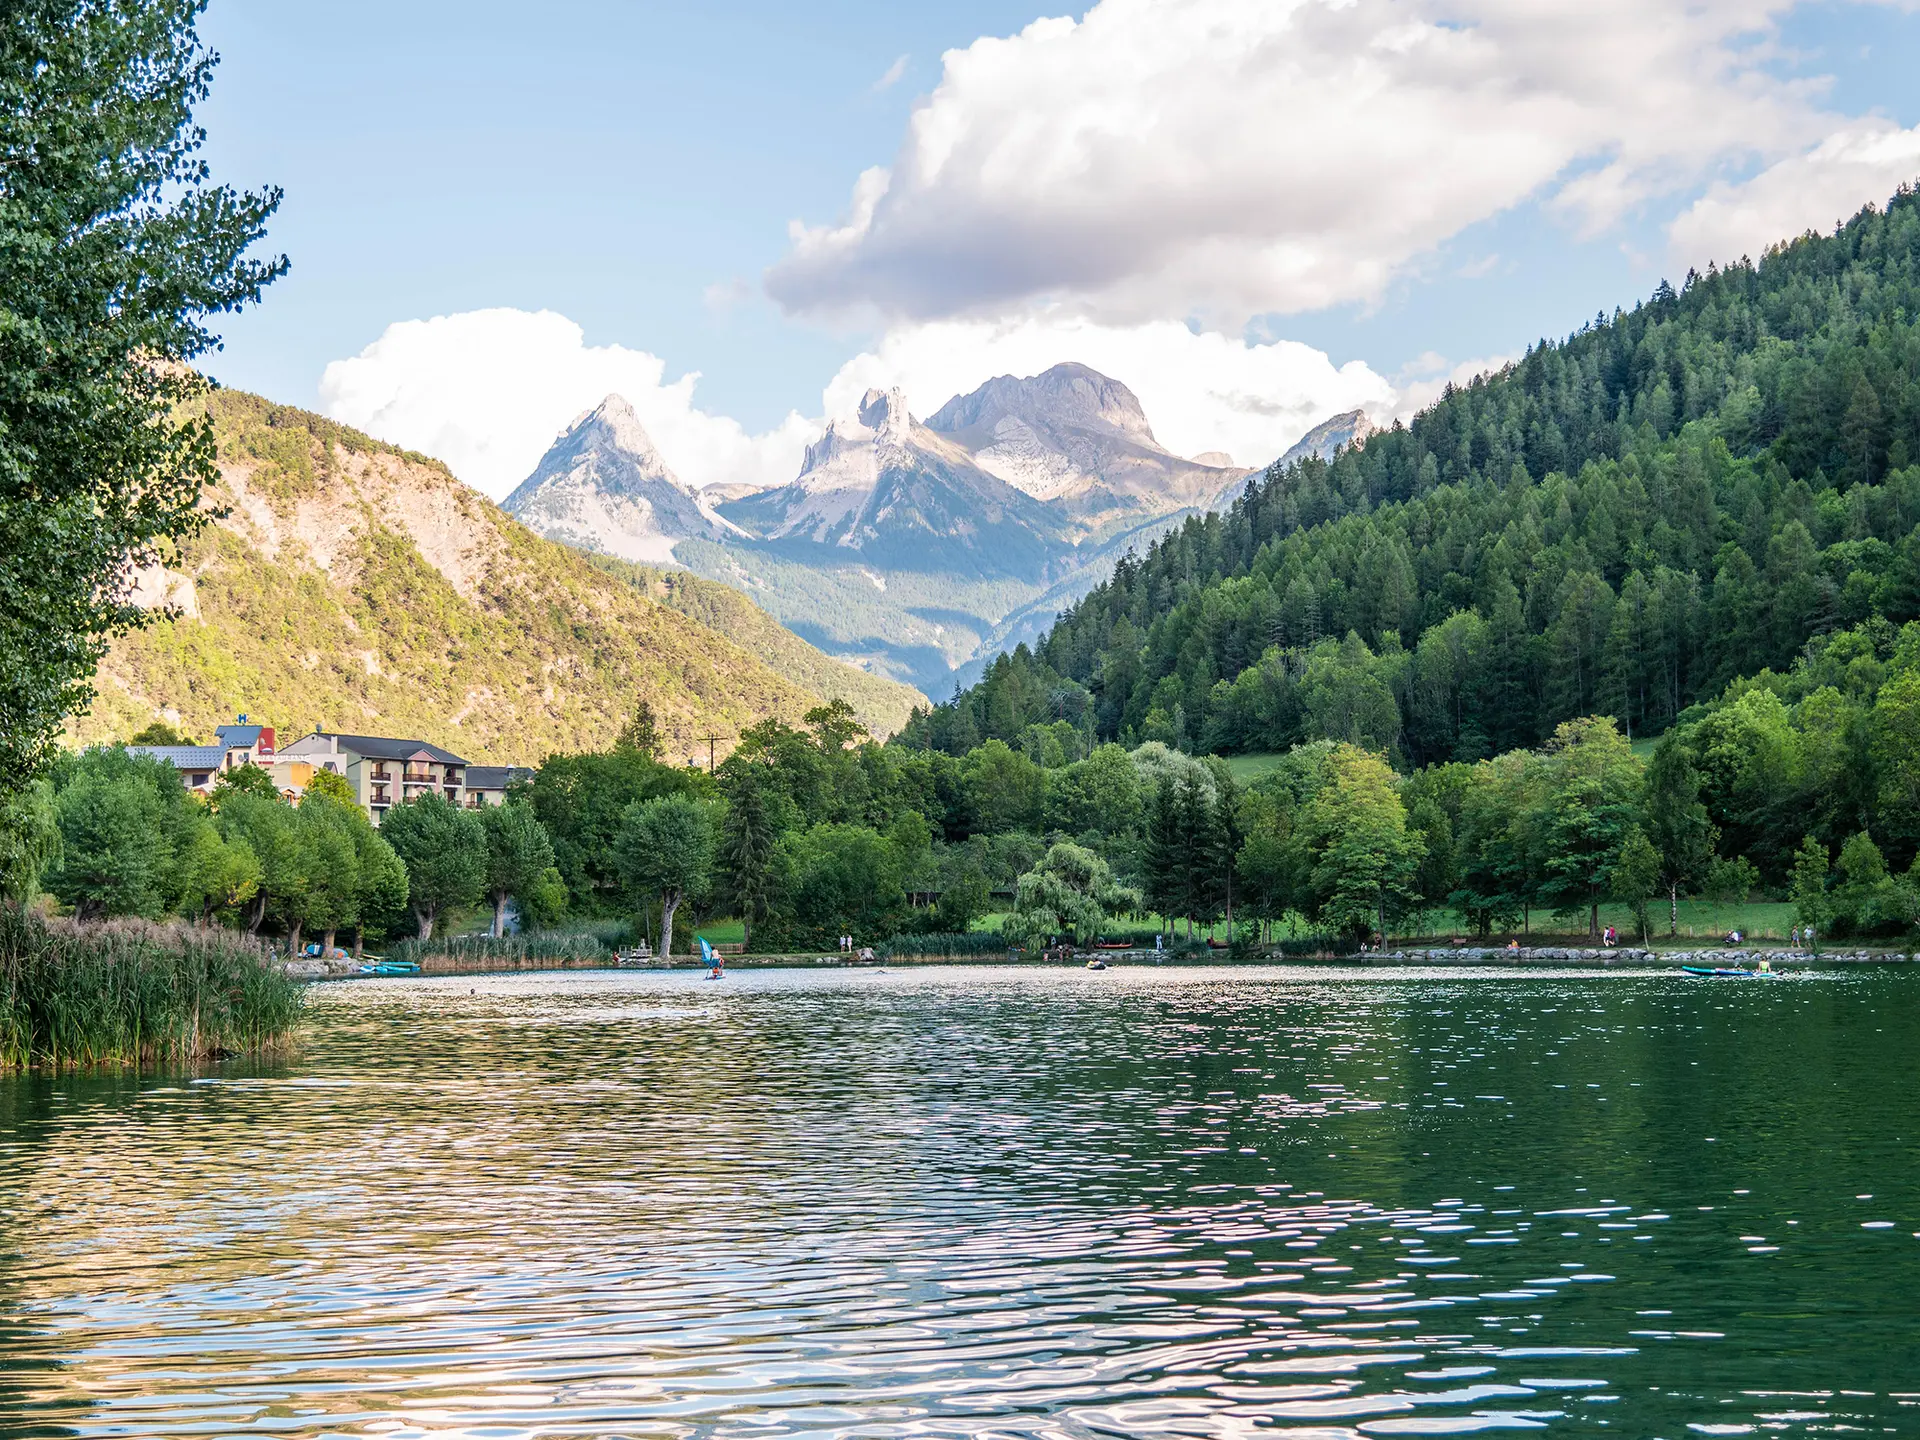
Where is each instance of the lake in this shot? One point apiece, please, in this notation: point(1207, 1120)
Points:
point(988, 1202)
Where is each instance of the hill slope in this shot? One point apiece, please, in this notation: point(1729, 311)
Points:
point(363, 588)
point(1621, 523)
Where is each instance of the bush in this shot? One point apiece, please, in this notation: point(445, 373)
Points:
point(131, 992)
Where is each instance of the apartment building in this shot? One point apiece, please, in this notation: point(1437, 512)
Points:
point(384, 771)
point(200, 765)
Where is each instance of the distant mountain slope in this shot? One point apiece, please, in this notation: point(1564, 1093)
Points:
point(882, 705)
point(1080, 441)
point(363, 588)
point(602, 486)
point(1349, 428)
point(886, 486)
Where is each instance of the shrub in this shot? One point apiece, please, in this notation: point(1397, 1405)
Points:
point(131, 992)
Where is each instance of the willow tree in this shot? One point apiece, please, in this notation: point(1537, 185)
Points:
point(116, 252)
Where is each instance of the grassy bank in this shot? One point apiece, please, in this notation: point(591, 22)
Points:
point(129, 992)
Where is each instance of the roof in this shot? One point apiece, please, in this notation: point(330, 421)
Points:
point(184, 757)
point(380, 747)
point(238, 735)
point(496, 777)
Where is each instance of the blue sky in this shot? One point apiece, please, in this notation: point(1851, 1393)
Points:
point(1160, 168)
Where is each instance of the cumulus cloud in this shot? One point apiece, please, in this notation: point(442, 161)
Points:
point(1228, 158)
point(1864, 161)
point(1201, 392)
point(487, 391)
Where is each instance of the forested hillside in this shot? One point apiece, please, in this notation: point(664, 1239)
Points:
point(1621, 523)
point(360, 587)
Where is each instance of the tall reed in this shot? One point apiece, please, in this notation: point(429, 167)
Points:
point(576, 945)
point(130, 992)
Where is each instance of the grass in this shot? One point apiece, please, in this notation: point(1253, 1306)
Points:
point(130, 992)
point(1700, 922)
point(1247, 768)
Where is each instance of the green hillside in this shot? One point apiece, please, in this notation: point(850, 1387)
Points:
point(882, 704)
point(358, 587)
point(1621, 523)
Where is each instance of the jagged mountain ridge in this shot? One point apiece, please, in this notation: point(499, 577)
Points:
point(907, 547)
point(602, 486)
point(886, 486)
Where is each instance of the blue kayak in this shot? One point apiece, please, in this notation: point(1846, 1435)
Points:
point(1732, 973)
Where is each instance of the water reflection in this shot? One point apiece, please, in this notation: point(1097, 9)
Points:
point(988, 1203)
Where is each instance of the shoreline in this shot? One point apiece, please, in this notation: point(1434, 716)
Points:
point(1537, 957)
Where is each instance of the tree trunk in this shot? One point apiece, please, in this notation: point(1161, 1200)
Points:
point(359, 940)
point(423, 919)
point(746, 936)
point(499, 914)
point(1593, 921)
point(258, 917)
point(1673, 909)
point(293, 938)
point(328, 947)
point(668, 904)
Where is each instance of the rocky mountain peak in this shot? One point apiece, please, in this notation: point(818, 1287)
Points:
point(1069, 395)
point(885, 411)
point(611, 425)
point(603, 486)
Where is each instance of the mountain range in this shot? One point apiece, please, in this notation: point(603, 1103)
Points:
point(350, 584)
point(909, 547)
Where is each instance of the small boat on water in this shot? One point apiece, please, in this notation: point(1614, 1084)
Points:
point(391, 967)
point(1096, 963)
point(1731, 972)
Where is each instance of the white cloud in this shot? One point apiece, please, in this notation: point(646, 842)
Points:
point(1864, 161)
point(893, 75)
point(1229, 158)
point(1201, 391)
point(487, 391)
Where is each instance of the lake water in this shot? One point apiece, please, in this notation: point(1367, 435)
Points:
point(986, 1202)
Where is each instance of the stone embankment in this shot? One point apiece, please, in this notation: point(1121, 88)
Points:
point(1620, 957)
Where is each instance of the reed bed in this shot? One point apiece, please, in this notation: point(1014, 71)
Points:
point(943, 946)
point(131, 992)
point(588, 945)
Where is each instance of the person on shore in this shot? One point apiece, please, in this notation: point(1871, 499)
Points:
point(1513, 944)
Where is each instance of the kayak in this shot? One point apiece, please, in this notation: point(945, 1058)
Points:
point(1732, 972)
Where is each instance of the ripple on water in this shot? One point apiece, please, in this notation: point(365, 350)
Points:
point(975, 1202)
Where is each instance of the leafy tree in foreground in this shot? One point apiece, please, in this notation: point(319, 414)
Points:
point(115, 250)
point(518, 856)
point(1070, 892)
point(1592, 781)
point(665, 850)
point(445, 851)
point(1363, 858)
point(252, 780)
point(1677, 824)
point(746, 853)
point(1811, 906)
point(218, 873)
point(29, 841)
point(1636, 874)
